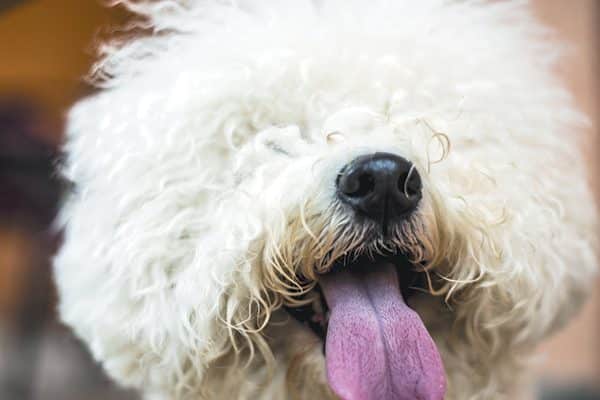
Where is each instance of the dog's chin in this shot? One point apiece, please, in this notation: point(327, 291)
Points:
point(375, 346)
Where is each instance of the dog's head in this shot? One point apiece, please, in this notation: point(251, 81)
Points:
point(338, 183)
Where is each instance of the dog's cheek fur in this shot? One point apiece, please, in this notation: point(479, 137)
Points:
point(522, 247)
point(137, 273)
point(157, 272)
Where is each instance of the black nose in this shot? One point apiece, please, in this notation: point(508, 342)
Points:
point(381, 186)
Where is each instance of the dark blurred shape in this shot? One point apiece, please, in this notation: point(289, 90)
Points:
point(28, 202)
point(28, 187)
point(6, 5)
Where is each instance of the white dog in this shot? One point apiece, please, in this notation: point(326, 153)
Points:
point(346, 199)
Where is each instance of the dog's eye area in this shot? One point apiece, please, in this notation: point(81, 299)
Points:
point(276, 147)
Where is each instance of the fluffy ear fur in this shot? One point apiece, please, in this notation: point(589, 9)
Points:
point(204, 182)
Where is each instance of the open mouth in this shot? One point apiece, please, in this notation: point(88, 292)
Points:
point(315, 315)
point(375, 346)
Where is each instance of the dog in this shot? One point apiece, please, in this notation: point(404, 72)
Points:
point(347, 199)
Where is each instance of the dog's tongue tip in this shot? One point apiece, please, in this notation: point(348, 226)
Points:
point(376, 346)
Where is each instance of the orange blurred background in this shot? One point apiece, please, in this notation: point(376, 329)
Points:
point(47, 47)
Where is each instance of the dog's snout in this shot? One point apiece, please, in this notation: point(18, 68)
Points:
point(380, 186)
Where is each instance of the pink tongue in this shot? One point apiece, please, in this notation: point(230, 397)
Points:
point(377, 348)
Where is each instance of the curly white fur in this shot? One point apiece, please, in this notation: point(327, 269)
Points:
point(204, 179)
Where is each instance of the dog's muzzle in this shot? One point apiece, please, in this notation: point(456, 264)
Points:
point(376, 347)
point(381, 186)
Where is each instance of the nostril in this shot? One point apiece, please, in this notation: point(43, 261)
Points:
point(366, 184)
point(409, 183)
point(356, 185)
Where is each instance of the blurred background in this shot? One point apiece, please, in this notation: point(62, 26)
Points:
point(46, 48)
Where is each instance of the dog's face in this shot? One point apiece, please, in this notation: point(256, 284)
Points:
point(348, 230)
point(365, 212)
